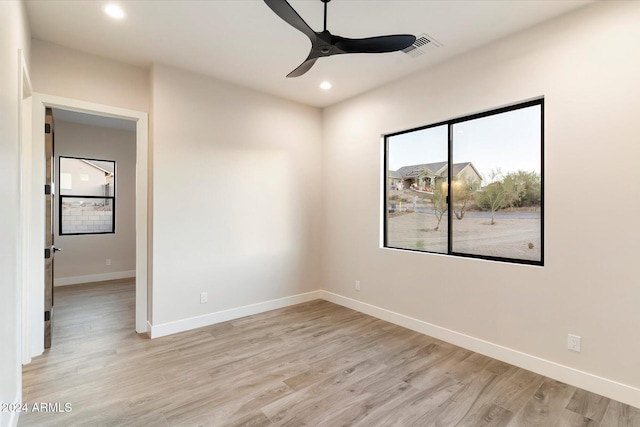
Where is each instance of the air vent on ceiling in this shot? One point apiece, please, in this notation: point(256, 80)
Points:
point(423, 44)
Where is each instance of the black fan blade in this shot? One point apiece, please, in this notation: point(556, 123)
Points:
point(304, 67)
point(380, 44)
point(284, 10)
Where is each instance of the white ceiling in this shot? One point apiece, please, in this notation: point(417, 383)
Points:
point(244, 42)
point(93, 120)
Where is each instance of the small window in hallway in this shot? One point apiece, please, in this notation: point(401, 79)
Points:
point(87, 196)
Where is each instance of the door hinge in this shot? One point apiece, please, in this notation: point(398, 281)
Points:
point(47, 315)
point(47, 253)
point(47, 189)
point(47, 128)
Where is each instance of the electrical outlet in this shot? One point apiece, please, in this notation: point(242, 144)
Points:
point(204, 297)
point(573, 343)
point(108, 261)
point(357, 285)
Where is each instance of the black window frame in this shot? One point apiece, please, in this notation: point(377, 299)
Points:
point(450, 123)
point(111, 198)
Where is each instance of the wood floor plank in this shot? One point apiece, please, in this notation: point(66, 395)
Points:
point(572, 419)
point(589, 405)
point(468, 368)
point(486, 415)
point(546, 406)
point(356, 413)
point(314, 364)
point(461, 403)
point(620, 415)
point(437, 363)
point(513, 388)
point(415, 406)
point(255, 420)
point(305, 399)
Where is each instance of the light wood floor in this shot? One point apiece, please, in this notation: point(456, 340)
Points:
point(314, 364)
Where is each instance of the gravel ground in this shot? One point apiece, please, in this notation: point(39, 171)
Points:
point(508, 237)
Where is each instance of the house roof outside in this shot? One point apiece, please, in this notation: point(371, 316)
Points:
point(415, 170)
point(104, 165)
point(459, 167)
point(436, 169)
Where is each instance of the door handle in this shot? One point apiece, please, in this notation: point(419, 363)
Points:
point(56, 249)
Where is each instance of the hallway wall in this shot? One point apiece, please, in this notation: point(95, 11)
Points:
point(83, 257)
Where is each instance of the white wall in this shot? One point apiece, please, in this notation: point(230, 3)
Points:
point(237, 197)
point(57, 70)
point(586, 65)
point(14, 35)
point(83, 258)
point(236, 183)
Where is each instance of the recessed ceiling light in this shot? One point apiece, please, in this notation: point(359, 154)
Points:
point(114, 11)
point(325, 85)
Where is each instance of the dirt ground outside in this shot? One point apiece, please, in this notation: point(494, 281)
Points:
point(510, 237)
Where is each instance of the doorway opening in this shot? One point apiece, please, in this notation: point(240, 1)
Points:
point(93, 215)
point(78, 111)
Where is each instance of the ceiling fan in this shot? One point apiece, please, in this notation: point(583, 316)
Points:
point(326, 44)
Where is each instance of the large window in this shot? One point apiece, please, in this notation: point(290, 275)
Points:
point(471, 186)
point(87, 196)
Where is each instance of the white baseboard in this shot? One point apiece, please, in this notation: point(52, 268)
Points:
point(231, 314)
point(64, 281)
point(11, 418)
point(612, 389)
point(603, 386)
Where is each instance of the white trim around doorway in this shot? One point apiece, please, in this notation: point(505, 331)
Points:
point(34, 225)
